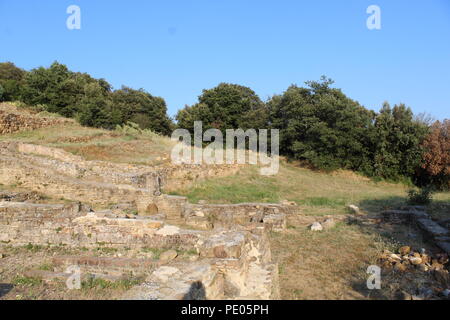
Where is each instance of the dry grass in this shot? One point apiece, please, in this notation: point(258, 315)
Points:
point(316, 193)
point(99, 144)
point(332, 264)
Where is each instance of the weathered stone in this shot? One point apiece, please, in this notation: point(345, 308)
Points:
point(152, 209)
point(395, 257)
point(423, 267)
point(404, 250)
point(242, 256)
point(354, 209)
point(223, 245)
point(195, 281)
point(168, 231)
point(401, 267)
point(275, 222)
point(403, 295)
point(329, 224)
point(168, 255)
point(288, 203)
point(199, 223)
point(415, 261)
point(316, 226)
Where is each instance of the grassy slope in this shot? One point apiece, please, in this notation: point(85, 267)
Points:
point(317, 193)
point(327, 265)
point(99, 144)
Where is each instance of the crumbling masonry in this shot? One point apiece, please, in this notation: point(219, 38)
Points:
point(233, 258)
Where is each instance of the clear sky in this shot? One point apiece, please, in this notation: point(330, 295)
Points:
point(176, 48)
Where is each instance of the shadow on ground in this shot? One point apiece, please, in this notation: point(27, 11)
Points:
point(196, 292)
point(5, 288)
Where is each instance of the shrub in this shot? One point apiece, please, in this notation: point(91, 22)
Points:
point(132, 129)
point(422, 196)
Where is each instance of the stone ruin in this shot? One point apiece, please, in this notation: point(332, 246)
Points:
point(232, 252)
point(12, 120)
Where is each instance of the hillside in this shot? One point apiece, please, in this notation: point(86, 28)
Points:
point(311, 265)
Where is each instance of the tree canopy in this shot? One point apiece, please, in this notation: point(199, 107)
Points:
point(318, 123)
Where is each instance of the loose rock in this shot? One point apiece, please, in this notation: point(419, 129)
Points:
point(328, 224)
point(404, 250)
point(415, 261)
point(354, 209)
point(168, 255)
point(316, 226)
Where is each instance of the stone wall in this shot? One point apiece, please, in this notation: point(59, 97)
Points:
point(23, 223)
point(233, 264)
point(13, 120)
point(55, 172)
point(228, 215)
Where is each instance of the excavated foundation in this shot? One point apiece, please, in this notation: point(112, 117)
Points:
point(231, 260)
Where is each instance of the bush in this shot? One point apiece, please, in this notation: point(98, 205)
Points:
point(133, 130)
point(422, 196)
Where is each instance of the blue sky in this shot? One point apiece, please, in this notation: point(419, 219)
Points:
point(176, 48)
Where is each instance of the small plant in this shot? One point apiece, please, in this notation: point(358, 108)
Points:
point(33, 248)
point(422, 196)
point(98, 283)
point(107, 250)
point(46, 267)
point(156, 252)
point(133, 130)
point(26, 281)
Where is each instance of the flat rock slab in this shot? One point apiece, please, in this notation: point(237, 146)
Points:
point(196, 281)
point(104, 262)
point(432, 228)
point(223, 245)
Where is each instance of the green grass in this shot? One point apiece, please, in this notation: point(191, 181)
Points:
point(156, 252)
point(101, 284)
point(26, 281)
point(33, 247)
point(316, 193)
point(243, 187)
point(322, 202)
point(106, 250)
point(46, 267)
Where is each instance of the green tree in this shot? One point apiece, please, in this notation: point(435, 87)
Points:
point(227, 106)
point(322, 126)
point(397, 150)
point(46, 86)
point(95, 107)
point(2, 92)
point(11, 80)
point(141, 107)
